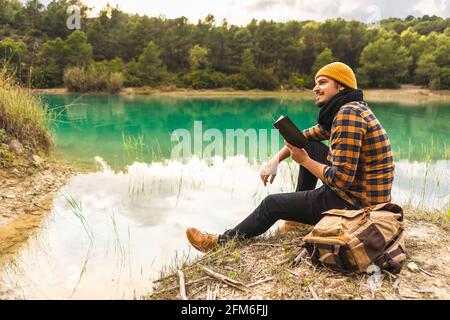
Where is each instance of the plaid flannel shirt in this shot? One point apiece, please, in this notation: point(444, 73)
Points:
point(362, 167)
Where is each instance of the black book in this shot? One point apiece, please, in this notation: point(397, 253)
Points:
point(290, 132)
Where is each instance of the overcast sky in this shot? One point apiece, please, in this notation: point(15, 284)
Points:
point(242, 11)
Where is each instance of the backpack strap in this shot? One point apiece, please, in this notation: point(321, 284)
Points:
point(388, 257)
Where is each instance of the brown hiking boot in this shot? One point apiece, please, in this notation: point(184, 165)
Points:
point(289, 226)
point(202, 241)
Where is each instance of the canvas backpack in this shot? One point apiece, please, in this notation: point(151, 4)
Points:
point(351, 240)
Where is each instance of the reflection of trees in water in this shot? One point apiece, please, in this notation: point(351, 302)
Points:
point(416, 133)
point(96, 125)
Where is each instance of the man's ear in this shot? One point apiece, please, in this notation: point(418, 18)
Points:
point(341, 87)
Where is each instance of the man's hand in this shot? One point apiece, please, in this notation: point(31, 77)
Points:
point(269, 170)
point(301, 157)
point(298, 155)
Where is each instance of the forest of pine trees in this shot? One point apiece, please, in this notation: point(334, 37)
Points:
point(116, 48)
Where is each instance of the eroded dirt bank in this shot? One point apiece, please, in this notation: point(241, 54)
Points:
point(26, 196)
point(29, 190)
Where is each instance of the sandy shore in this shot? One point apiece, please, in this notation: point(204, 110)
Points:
point(408, 94)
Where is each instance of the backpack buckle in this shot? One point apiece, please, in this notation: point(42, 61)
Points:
point(366, 212)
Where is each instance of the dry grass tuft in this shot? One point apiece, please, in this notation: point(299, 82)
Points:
point(23, 116)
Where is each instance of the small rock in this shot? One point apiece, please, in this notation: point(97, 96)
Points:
point(412, 266)
point(16, 146)
point(15, 171)
point(37, 160)
point(4, 146)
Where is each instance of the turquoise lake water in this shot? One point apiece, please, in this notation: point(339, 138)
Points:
point(101, 125)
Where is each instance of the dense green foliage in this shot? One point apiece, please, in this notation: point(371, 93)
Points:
point(156, 51)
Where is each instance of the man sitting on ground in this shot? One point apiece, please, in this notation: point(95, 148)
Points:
point(357, 170)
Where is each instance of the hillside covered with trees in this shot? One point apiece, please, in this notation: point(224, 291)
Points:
point(116, 48)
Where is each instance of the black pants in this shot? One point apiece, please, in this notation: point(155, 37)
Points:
point(305, 205)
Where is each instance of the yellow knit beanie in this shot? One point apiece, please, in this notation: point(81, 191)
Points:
point(340, 72)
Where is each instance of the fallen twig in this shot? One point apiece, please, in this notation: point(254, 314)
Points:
point(208, 291)
point(182, 285)
point(259, 271)
point(313, 292)
point(309, 264)
point(293, 273)
point(40, 207)
point(427, 273)
point(230, 268)
point(424, 290)
point(234, 283)
point(192, 265)
point(215, 293)
point(250, 267)
point(390, 274)
point(266, 244)
point(177, 286)
point(409, 296)
point(299, 257)
point(260, 281)
point(279, 263)
point(198, 290)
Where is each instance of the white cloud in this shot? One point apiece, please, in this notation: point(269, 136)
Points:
point(241, 12)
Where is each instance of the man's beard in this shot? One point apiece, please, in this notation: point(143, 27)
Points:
point(320, 104)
